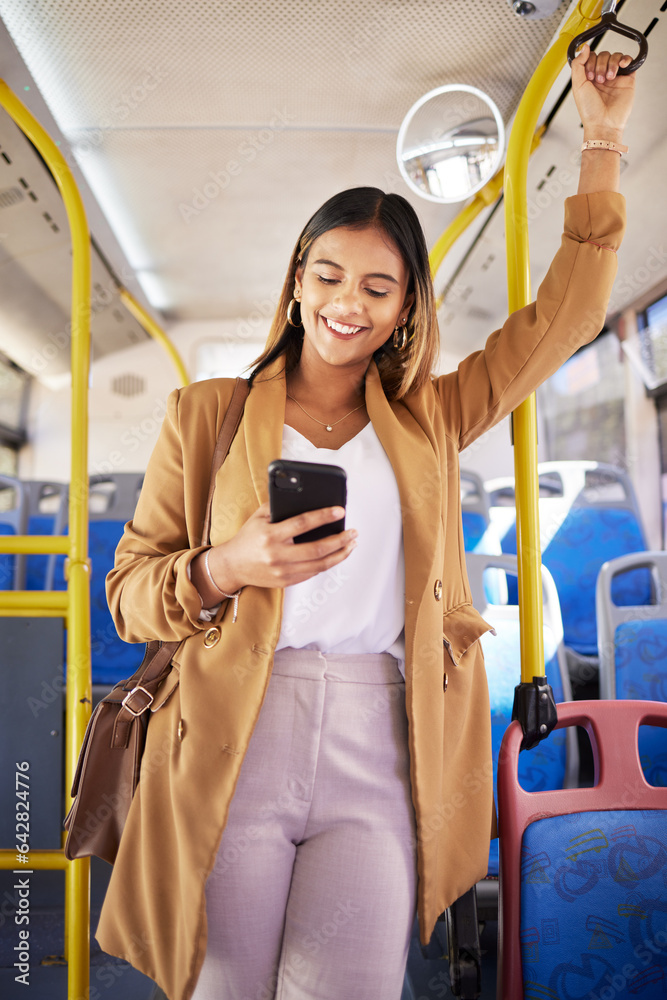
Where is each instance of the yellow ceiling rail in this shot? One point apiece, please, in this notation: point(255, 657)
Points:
point(77, 599)
point(155, 330)
point(486, 196)
point(519, 295)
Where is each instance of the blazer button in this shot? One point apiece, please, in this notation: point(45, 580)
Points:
point(437, 590)
point(181, 729)
point(211, 636)
point(445, 682)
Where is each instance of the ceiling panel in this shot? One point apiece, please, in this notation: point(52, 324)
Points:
point(208, 133)
point(36, 268)
point(303, 100)
point(191, 62)
point(218, 191)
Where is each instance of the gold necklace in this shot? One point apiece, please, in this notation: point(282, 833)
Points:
point(329, 427)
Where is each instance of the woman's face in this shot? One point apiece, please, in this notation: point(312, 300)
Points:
point(353, 292)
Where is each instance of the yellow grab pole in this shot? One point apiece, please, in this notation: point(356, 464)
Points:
point(156, 331)
point(519, 295)
point(79, 691)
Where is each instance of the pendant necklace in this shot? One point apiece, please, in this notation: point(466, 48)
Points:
point(329, 427)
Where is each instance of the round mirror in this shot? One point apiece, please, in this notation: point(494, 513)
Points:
point(451, 143)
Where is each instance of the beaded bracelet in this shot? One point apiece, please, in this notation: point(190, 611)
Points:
point(603, 144)
point(234, 597)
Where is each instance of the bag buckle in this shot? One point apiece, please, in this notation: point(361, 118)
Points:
point(129, 694)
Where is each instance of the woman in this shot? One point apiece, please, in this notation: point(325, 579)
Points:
point(363, 786)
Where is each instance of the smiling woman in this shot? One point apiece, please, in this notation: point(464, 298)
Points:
point(332, 700)
point(364, 245)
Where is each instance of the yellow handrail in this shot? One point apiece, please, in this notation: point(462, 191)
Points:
point(156, 331)
point(519, 295)
point(34, 544)
point(486, 196)
point(35, 603)
point(77, 599)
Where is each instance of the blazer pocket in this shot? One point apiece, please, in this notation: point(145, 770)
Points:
point(166, 688)
point(461, 627)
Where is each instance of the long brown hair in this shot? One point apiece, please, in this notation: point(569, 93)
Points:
point(401, 372)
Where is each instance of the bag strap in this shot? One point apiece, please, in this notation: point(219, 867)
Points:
point(229, 428)
point(137, 693)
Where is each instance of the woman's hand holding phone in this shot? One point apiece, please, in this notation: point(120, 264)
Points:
point(263, 554)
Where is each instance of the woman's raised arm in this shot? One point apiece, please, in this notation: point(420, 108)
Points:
point(572, 300)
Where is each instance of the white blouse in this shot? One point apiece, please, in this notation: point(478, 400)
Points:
point(357, 606)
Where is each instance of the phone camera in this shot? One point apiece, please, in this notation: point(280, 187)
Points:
point(288, 481)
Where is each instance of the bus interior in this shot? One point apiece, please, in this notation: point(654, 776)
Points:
point(201, 137)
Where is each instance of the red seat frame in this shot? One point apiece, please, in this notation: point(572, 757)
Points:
point(619, 784)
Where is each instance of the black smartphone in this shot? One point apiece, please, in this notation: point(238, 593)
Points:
point(296, 487)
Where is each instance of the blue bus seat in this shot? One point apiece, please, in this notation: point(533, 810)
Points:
point(588, 515)
point(13, 521)
point(584, 870)
point(112, 503)
point(478, 534)
point(113, 499)
point(502, 511)
point(632, 644)
point(553, 763)
point(47, 515)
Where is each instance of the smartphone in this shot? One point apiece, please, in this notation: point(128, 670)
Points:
point(296, 487)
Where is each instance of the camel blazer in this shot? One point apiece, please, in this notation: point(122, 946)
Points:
point(154, 914)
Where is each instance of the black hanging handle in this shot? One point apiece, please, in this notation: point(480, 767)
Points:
point(608, 22)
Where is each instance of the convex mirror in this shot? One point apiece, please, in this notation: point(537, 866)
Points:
point(451, 143)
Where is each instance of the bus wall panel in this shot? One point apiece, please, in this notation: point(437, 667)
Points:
point(31, 729)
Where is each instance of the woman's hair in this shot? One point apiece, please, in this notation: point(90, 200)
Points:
point(359, 208)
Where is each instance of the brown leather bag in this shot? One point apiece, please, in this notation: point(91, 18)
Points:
point(109, 763)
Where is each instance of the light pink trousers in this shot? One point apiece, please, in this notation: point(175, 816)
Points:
point(313, 893)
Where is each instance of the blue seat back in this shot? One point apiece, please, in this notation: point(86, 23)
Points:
point(477, 534)
point(554, 762)
point(632, 645)
point(47, 515)
point(474, 527)
point(112, 503)
point(7, 560)
point(113, 499)
point(594, 905)
point(584, 870)
point(111, 658)
point(588, 515)
point(13, 520)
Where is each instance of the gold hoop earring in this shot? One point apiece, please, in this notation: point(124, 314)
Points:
point(290, 309)
point(400, 346)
